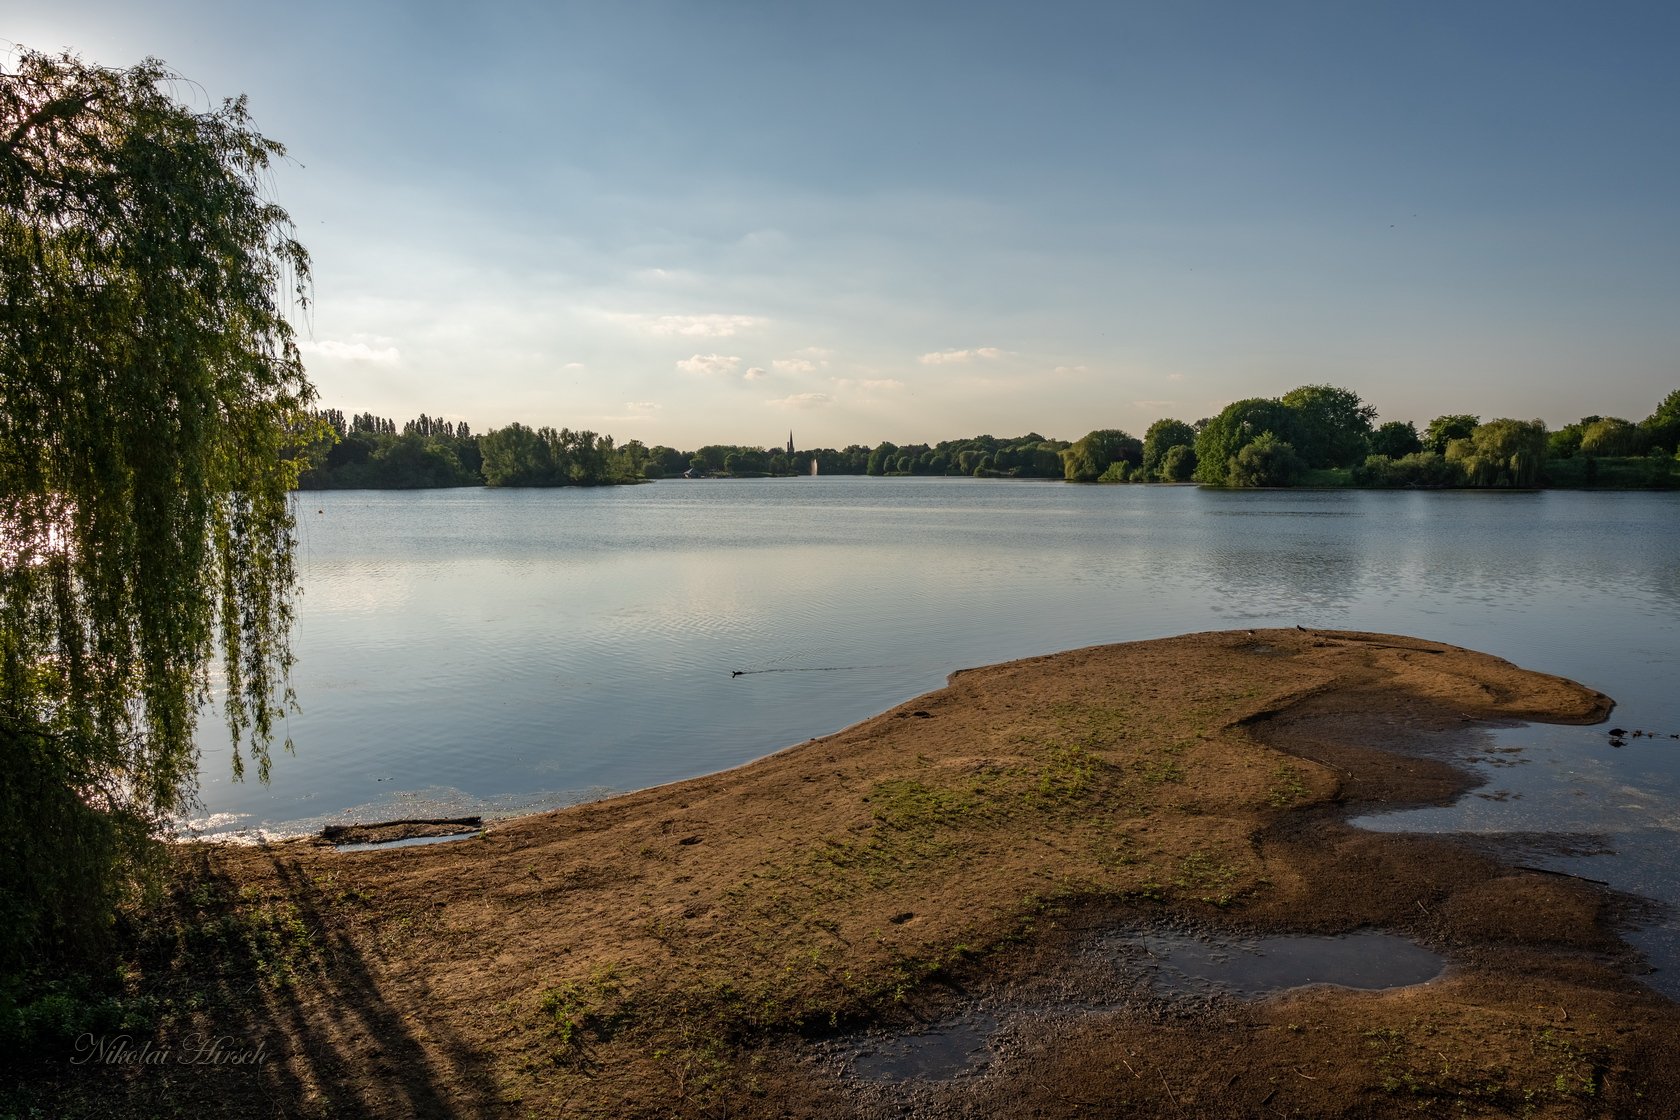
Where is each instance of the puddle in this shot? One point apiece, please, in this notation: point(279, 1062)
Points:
point(953, 1048)
point(1123, 970)
point(410, 842)
point(1259, 966)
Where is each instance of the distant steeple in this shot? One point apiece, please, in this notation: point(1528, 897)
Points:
point(790, 442)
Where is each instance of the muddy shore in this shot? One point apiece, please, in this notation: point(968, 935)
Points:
point(714, 947)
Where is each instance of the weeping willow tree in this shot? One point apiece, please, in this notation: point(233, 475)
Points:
point(149, 393)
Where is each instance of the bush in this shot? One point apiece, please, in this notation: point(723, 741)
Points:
point(1178, 464)
point(1267, 461)
point(1419, 470)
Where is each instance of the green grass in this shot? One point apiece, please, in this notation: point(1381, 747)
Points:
point(1413, 1063)
point(590, 1008)
point(1287, 786)
point(1326, 477)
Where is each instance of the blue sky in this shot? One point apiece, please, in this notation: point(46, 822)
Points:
point(712, 222)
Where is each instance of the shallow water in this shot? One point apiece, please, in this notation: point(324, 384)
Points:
point(405, 842)
point(1609, 813)
point(498, 652)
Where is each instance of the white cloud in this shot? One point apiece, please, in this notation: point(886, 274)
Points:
point(871, 384)
point(794, 365)
point(1068, 369)
point(803, 400)
point(360, 350)
point(754, 373)
point(1175, 377)
point(948, 357)
point(642, 406)
point(709, 364)
point(701, 326)
point(574, 366)
point(818, 352)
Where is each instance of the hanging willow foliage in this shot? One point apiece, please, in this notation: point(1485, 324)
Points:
point(150, 391)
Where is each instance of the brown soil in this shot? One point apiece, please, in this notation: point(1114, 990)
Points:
point(693, 950)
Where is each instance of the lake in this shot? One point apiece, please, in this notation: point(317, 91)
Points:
point(496, 652)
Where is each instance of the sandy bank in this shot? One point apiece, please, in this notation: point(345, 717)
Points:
point(683, 950)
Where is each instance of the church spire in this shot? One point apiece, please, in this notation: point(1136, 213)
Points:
point(790, 441)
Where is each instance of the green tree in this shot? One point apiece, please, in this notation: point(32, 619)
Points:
point(1087, 458)
point(1613, 437)
point(1566, 441)
point(1239, 424)
point(1664, 423)
point(1162, 436)
point(1178, 464)
point(883, 458)
point(517, 456)
point(1396, 439)
point(1265, 460)
point(1501, 453)
point(1332, 426)
point(1444, 429)
point(150, 393)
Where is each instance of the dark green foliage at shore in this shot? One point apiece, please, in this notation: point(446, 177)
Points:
point(1585, 472)
point(368, 453)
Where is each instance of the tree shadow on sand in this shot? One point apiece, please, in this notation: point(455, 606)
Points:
point(263, 1005)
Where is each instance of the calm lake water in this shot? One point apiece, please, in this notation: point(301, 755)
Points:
point(494, 652)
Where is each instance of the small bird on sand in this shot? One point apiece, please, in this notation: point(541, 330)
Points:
point(1301, 628)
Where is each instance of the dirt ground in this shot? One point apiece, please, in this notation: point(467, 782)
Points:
point(704, 948)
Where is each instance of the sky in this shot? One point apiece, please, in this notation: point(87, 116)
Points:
point(715, 222)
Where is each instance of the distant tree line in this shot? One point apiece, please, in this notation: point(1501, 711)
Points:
point(1315, 435)
point(1324, 435)
point(367, 452)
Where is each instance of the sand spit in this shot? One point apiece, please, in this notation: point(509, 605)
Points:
point(698, 949)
